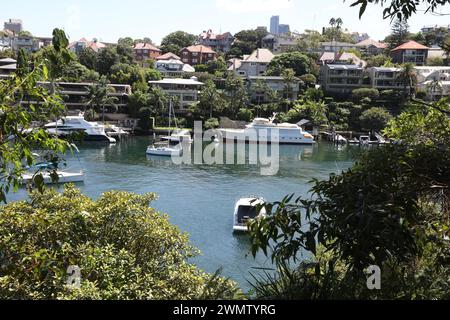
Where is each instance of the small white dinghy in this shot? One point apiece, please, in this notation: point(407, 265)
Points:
point(64, 177)
point(245, 211)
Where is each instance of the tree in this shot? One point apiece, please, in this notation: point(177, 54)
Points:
point(289, 80)
point(400, 192)
point(123, 248)
point(99, 96)
point(375, 119)
point(176, 41)
point(296, 61)
point(210, 100)
point(399, 35)
point(401, 10)
point(88, 58)
point(22, 63)
point(124, 73)
point(127, 42)
point(106, 59)
point(380, 60)
point(236, 93)
point(76, 72)
point(25, 107)
point(409, 79)
point(245, 114)
point(57, 56)
point(360, 94)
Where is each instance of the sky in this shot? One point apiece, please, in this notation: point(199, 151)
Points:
point(110, 20)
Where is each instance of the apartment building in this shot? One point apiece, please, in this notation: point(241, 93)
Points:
point(7, 66)
point(336, 46)
point(198, 54)
point(186, 91)
point(385, 78)
point(252, 65)
point(411, 52)
point(434, 80)
point(14, 25)
point(276, 84)
point(341, 78)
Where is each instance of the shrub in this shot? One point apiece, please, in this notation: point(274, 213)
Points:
point(245, 114)
point(359, 94)
point(212, 123)
point(375, 119)
point(124, 248)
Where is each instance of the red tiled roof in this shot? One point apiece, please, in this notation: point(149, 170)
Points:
point(411, 45)
point(168, 56)
point(371, 42)
point(199, 48)
point(145, 46)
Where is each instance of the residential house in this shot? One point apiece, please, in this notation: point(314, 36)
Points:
point(276, 84)
point(341, 58)
point(280, 43)
point(217, 42)
point(186, 91)
point(359, 37)
point(252, 65)
point(173, 68)
point(26, 43)
point(412, 52)
point(341, 79)
point(371, 47)
point(78, 46)
point(145, 51)
point(198, 54)
point(383, 78)
point(168, 56)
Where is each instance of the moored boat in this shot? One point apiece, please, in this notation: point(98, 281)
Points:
point(245, 211)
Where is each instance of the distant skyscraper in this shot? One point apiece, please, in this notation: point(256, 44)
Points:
point(275, 24)
point(284, 28)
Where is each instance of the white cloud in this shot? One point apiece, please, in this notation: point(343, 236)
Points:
point(242, 6)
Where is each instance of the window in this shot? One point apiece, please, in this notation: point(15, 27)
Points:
point(194, 60)
point(185, 60)
point(194, 54)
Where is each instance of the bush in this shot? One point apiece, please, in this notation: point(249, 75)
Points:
point(359, 94)
point(124, 248)
point(375, 119)
point(211, 124)
point(245, 114)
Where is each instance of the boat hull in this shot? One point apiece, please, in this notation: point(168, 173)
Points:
point(64, 177)
point(164, 152)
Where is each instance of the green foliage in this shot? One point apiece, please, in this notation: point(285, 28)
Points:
point(22, 63)
point(212, 123)
point(76, 72)
point(57, 56)
point(296, 61)
point(400, 34)
point(176, 41)
point(211, 101)
point(379, 60)
point(236, 93)
point(107, 58)
point(124, 248)
point(309, 80)
point(100, 97)
point(389, 210)
point(245, 114)
point(375, 119)
point(401, 9)
point(21, 127)
point(88, 58)
point(359, 94)
point(435, 61)
point(246, 42)
point(421, 124)
point(126, 74)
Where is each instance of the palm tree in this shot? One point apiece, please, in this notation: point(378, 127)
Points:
point(260, 88)
point(339, 22)
point(435, 88)
point(409, 79)
point(99, 96)
point(332, 22)
point(289, 79)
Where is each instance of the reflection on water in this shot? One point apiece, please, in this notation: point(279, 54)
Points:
point(200, 198)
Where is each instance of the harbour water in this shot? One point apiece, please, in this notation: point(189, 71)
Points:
point(200, 199)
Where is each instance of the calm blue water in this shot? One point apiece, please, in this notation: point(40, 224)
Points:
point(200, 199)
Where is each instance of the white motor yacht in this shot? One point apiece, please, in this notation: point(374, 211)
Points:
point(93, 131)
point(63, 177)
point(263, 130)
point(245, 211)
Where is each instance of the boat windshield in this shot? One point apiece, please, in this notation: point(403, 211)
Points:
point(246, 213)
